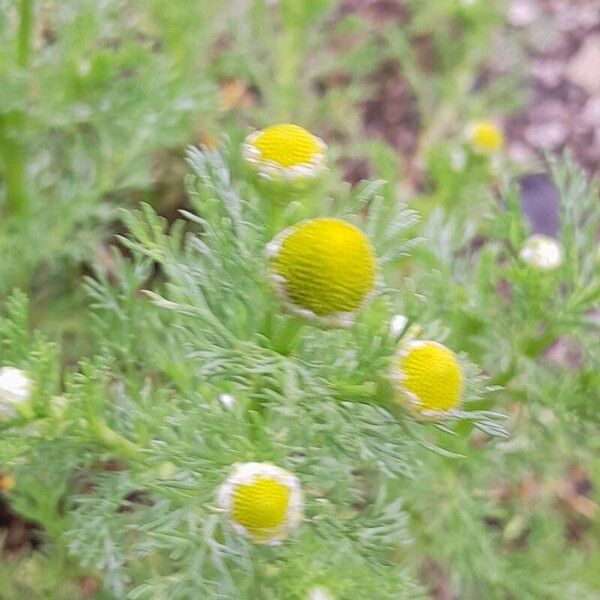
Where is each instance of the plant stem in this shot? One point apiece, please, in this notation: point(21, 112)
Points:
point(12, 159)
point(256, 585)
point(356, 392)
point(276, 214)
point(25, 29)
point(111, 439)
point(288, 64)
point(13, 124)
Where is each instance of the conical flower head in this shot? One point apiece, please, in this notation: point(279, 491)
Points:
point(262, 501)
point(15, 391)
point(324, 269)
point(285, 152)
point(485, 137)
point(428, 378)
point(542, 252)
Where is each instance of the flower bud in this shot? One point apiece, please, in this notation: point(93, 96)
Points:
point(542, 251)
point(428, 378)
point(262, 501)
point(324, 270)
point(285, 152)
point(485, 137)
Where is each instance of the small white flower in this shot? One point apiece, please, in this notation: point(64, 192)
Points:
point(319, 593)
point(227, 400)
point(15, 390)
point(542, 251)
point(398, 325)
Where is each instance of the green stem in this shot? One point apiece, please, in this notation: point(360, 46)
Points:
point(25, 30)
point(256, 584)
point(288, 64)
point(12, 160)
point(358, 392)
point(276, 217)
point(13, 124)
point(114, 441)
point(437, 119)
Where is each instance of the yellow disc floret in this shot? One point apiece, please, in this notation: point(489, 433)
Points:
point(288, 145)
point(261, 507)
point(486, 137)
point(285, 152)
point(325, 269)
point(428, 377)
point(263, 501)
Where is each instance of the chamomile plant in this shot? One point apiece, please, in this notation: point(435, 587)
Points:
point(226, 499)
point(295, 389)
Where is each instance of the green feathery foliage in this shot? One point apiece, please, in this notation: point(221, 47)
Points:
point(121, 467)
point(118, 460)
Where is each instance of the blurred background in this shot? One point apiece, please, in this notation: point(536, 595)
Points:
point(99, 99)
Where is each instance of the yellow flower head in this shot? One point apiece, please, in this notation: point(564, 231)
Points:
point(262, 501)
point(428, 378)
point(285, 152)
point(324, 269)
point(485, 137)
